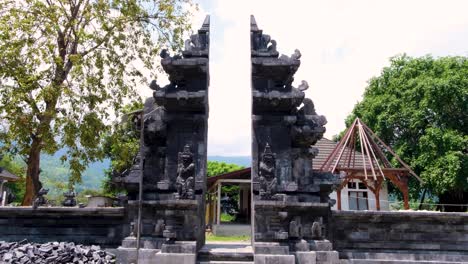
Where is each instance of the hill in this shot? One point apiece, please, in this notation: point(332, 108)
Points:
point(55, 174)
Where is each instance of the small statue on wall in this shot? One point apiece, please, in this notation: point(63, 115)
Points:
point(70, 200)
point(159, 227)
point(267, 175)
point(295, 227)
point(185, 182)
point(40, 200)
point(316, 230)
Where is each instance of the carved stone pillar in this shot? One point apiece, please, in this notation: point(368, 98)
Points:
point(172, 161)
point(291, 202)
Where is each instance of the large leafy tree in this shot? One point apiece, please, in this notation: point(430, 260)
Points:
point(122, 144)
point(419, 107)
point(67, 65)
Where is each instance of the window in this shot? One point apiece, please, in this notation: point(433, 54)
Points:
point(351, 185)
point(358, 200)
point(362, 186)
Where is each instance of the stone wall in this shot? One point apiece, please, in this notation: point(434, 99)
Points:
point(400, 231)
point(101, 226)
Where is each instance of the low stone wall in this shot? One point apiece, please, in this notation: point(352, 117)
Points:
point(399, 231)
point(99, 226)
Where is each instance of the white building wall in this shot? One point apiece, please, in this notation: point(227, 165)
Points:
point(384, 205)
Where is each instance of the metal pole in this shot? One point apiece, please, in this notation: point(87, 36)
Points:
point(140, 190)
point(219, 204)
point(3, 195)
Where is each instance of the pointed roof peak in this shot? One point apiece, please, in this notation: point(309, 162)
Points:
point(206, 24)
point(253, 24)
point(359, 138)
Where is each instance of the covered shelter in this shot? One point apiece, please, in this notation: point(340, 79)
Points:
point(361, 155)
point(214, 198)
point(5, 176)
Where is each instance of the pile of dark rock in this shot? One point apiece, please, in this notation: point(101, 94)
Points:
point(53, 253)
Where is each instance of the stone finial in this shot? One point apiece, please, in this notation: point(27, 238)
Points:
point(253, 23)
point(303, 86)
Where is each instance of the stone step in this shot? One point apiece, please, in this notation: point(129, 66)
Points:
point(385, 261)
point(226, 253)
point(440, 256)
point(225, 262)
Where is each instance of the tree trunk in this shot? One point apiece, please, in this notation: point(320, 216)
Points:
point(33, 185)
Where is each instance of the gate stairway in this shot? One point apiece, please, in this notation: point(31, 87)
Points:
point(402, 257)
point(225, 253)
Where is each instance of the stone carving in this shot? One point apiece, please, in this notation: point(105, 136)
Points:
point(267, 174)
point(132, 229)
point(295, 228)
point(40, 200)
point(316, 230)
point(159, 227)
point(295, 56)
point(288, 196)
point(171, 164)
point(70, 200)
point(185, 175)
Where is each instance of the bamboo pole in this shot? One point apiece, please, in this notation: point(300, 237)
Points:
point(364, 142)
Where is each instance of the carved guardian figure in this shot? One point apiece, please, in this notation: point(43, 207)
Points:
point(267, 168)
point(185, 175)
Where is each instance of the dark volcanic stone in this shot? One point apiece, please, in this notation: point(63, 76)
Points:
point(52, 253)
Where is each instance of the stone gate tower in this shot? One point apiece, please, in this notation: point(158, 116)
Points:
point(291, 204)
point(172, 160)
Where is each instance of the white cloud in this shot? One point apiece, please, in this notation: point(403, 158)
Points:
point(343, 44)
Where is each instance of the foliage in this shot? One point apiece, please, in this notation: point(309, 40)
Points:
point(122, 145)
point(216, 168)
point(17, 168)
point(68, 65)
point(227, 217)
point(419, 107)
point(211, 237)
point(429, 204)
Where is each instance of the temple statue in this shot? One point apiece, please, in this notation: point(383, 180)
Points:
point(185, 175)
point(267, 172)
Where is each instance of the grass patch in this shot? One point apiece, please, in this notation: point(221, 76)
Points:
point(227, 217)
point(211, 237)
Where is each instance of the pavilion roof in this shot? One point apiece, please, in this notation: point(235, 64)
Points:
point(363, 153)
point(238, 174)
point(6, 175)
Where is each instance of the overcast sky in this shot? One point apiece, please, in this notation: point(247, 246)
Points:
point(343, 44)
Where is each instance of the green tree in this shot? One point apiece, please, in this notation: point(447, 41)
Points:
point(419, 107)
point(122, 144)
point(215, 168)
point(68, 65)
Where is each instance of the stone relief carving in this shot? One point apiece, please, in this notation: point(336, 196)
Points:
point(159, 227)
point(316, 230)
point(185, 174)
point(267, 174)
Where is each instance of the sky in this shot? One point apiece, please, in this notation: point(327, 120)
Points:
point(343, 45)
